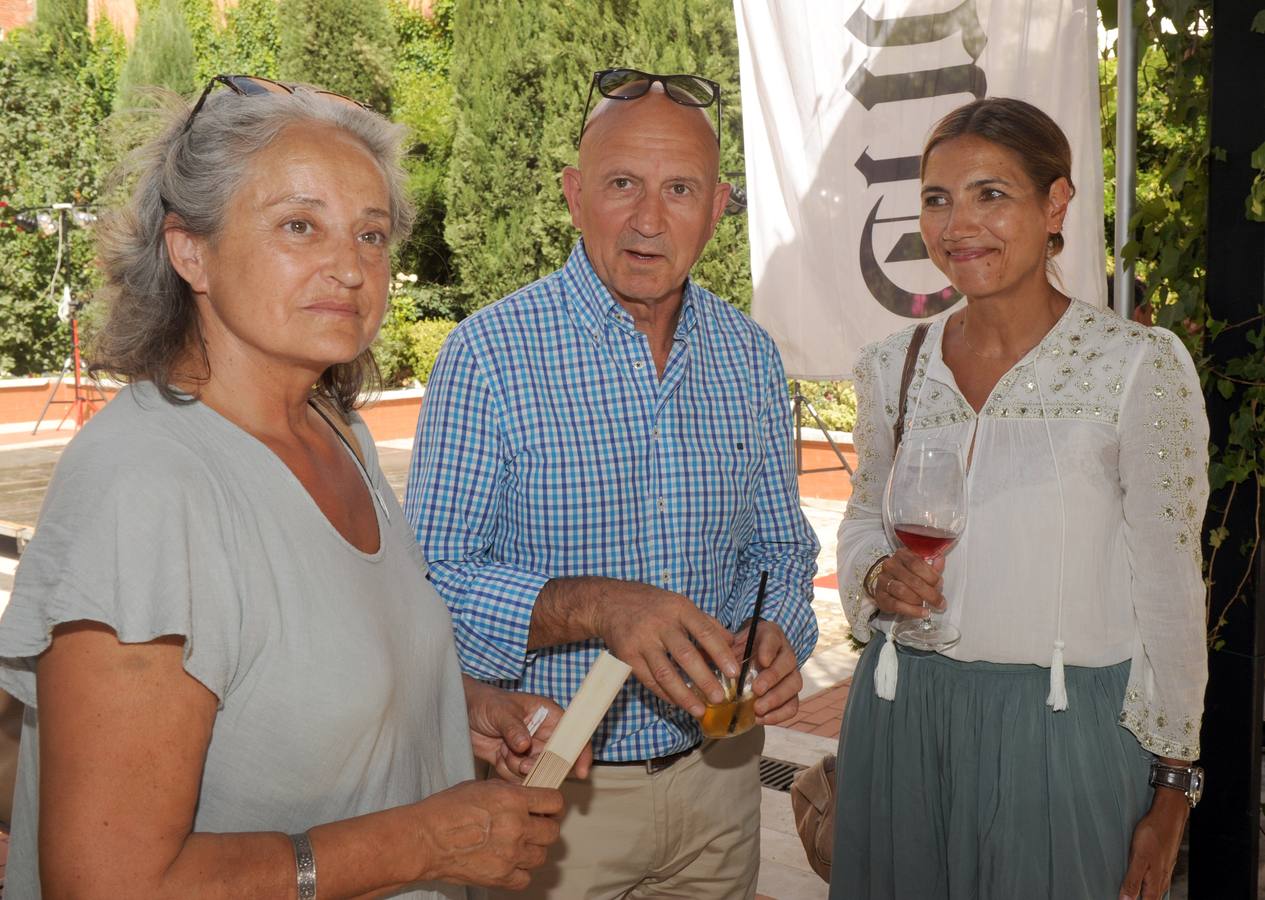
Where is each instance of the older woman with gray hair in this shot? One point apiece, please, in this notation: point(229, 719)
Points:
point(237, 676)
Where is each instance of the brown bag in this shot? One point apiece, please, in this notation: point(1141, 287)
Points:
point(813, 802)
point(813, 790)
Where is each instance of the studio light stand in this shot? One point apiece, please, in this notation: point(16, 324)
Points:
point(87, 397)
point(799, 403)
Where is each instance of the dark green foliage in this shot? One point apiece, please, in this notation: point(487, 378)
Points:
point(65, 24)
point(422, 100)
point(344, 46)
point(418, 319)
point(1170, 251)
point(51, 151)
point(251, 44)
point(209, 39)
point(426, 338)
point(520, 75)
point(834, 401)
point(161, 54)
point(1169, 247)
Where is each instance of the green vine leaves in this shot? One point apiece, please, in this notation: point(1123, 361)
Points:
point(1169, 253)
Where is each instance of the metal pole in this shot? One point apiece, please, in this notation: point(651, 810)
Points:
point(1126, 149)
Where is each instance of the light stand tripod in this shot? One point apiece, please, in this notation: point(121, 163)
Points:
point(83, 403)
point(799, 403)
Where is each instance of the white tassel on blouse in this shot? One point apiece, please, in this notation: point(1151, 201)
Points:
point(885, 671)
point(1057, 698)
point(1058, 688)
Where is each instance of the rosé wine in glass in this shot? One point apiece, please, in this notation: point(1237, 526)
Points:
point(924, 510)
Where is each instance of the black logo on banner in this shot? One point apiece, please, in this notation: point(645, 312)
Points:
point(871, 90)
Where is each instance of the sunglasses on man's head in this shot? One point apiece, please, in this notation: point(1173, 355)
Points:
point(253, 86)
point(629, 84)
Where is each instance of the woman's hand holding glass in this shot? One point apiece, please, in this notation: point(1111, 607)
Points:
point(909, 586)
point(924, 511)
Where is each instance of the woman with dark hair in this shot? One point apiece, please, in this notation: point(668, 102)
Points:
point(237, 675)
point(1048, 753)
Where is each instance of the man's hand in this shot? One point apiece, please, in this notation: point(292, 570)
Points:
point(1153, 852)
point(778, 685)
point(498, 729)
point(660, 634)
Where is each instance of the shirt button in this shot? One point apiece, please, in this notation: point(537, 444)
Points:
point(639, 365)
point(654, 432)
point(663, 505)
point(666, 579)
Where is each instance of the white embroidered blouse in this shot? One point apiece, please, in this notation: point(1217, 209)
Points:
point(1125, 498)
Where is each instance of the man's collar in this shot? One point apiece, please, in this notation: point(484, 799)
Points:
point(597, 306)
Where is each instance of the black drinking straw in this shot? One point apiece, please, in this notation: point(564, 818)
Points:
point(746, 656)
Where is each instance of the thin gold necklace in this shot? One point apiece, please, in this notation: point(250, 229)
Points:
point(971, 347)
point(1002, 355)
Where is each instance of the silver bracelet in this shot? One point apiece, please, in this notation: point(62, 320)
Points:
point(305, 865)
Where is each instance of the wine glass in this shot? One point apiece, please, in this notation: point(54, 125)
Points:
point(924, 509)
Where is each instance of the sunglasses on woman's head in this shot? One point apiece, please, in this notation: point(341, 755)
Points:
point(253, 86)
point(629, 84)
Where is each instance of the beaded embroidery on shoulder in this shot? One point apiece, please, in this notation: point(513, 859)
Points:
point(1078, 369)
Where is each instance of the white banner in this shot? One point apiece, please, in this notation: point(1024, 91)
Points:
point(838, 99)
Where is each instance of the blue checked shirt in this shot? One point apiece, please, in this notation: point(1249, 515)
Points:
point(548, 447)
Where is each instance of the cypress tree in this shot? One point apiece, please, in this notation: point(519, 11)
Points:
point(522, 72)
point(520, 75)
point(422, 100)
point(66, 22)
point(252, 45)
point(209, 40)
point(162, 54)
point(701, 37)
point(344, 46)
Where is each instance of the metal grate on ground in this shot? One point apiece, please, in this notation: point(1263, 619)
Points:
point(777, 774)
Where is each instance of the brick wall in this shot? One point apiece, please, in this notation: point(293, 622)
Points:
point(121, 13)
point(15, 13)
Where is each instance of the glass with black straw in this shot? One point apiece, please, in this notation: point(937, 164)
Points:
point(736, 714)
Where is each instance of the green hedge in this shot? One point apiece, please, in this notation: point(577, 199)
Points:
point(834, 401)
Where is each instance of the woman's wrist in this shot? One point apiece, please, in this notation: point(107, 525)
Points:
point(304, 866)
point(869, 583)
point(1171, 804)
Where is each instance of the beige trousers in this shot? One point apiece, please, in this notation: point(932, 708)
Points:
point(691, 831)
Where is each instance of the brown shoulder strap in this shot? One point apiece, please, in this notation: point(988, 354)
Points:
point(330, 414)
point(906, 376)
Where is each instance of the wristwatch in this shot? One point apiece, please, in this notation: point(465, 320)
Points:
point(1187, 779)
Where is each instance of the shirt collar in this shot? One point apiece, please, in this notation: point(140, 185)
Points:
point(597, 307)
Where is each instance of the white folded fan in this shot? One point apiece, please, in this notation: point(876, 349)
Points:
point(575, 729)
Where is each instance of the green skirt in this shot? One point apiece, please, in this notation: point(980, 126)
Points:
point(969, 787)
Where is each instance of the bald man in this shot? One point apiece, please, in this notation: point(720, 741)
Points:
point(603, 460)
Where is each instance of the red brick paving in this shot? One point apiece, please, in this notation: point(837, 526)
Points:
point(822, 713)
